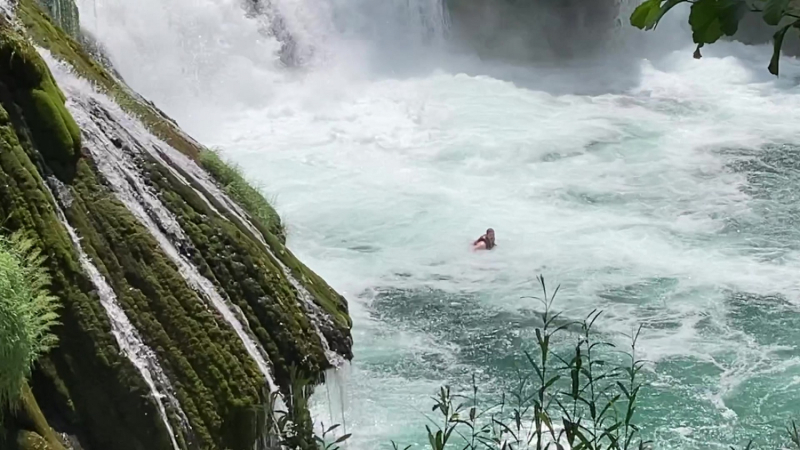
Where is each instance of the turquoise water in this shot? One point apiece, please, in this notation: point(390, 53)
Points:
point(661, 191)
point(652, 213)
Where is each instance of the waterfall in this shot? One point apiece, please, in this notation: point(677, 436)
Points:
point(336, 394)
point(126, 335)
point(6, 9)
point(98, 116)
point(172, 158)
point(65, 14)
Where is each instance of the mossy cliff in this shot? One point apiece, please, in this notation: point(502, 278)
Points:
point(86, 390)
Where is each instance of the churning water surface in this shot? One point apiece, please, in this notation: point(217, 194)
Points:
point(663, 191)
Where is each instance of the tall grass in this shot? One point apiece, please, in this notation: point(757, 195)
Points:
point(27, 314)
point(564, 398)
point(248, 195)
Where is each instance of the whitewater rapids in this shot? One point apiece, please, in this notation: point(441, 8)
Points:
point(663, 190)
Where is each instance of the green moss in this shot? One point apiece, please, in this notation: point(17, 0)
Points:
point(101, 393)
point(86, 384)
point(58, 135)
point(324, 295)
point(30, 82)
point(267, 221)
point(215, 375)
point(45, 33)
point(230, 177)
point(240, 268)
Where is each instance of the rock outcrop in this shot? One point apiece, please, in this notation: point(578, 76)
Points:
point(533, 30)
point(65, 14)
point(180, 309)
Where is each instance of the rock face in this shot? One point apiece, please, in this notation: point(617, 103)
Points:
point(180, 309)
point(65, 14)
point(533, 30)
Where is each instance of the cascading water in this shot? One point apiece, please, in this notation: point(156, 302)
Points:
point(171, 158)
point(65, 13)
point(660, 190)
point(126, 335)
point(90, 108)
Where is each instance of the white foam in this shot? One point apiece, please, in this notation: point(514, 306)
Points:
point(7, 9)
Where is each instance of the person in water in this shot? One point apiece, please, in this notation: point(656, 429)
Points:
point(485, 242)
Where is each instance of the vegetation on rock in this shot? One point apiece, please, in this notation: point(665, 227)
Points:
point(86, 387)
point(230, 177)
point(27, 314)
point(40, 28)
point(267, 220)
point(85, 381)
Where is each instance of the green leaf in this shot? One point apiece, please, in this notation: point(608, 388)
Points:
point(343, 438)
point(622, 386)
point(551, 381)
point(777, 38)
point(730, 14)
point(645, 16)
point(705, 22)
point(774, 11)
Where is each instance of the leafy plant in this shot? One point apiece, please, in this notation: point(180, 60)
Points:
point(27, 313)
point(575, 397)
point(325, 444)
point(712, 19)
point(794, 436)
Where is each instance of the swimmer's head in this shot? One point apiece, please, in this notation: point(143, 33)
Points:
point(490, 233)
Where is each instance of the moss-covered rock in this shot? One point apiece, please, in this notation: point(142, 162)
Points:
point(230, 178)
point(30, 82)
point(268, 223)
point(213, 372)
point(44, 32)
point(28, 428)
point(239, 268)
point(262, 215)
point(86, 387)
point(94, 388)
